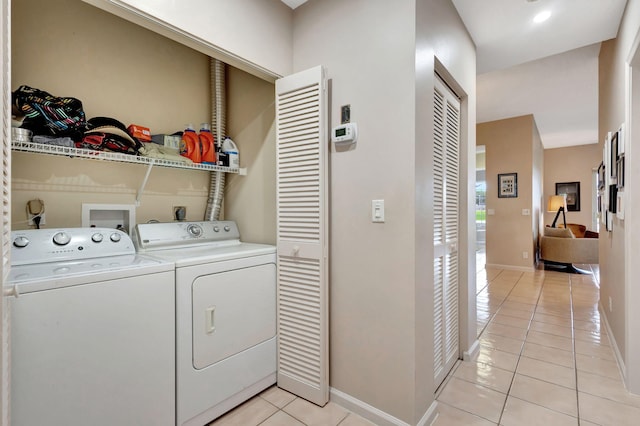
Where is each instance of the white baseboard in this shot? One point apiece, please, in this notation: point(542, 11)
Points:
point(614, 345)
point(375, 415)
point(511, 267)
point(473, 352)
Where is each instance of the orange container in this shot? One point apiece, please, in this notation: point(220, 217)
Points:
point(143, 134)
point(190, 145)
point(207, 141)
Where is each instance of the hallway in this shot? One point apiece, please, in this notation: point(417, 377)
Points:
point(545, 357)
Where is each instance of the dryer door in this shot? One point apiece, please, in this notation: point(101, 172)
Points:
point(232, 311)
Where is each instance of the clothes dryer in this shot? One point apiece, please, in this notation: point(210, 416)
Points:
point(225, 314)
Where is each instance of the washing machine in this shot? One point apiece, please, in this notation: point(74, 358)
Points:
point(225, 314)
point(92, 330)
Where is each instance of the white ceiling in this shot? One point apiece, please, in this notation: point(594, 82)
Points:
point(549, 69)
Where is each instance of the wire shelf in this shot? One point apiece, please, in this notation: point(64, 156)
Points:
point(114, 156)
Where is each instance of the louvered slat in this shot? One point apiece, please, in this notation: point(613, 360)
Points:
point(446, 224)
point(5, 235)
point(302, 235)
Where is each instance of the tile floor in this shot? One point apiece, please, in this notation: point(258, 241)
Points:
point(544, 360)
point(545, 357)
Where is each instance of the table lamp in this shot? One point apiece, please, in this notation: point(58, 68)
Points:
point(558, 203)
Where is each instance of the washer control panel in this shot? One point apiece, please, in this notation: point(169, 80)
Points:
point(150, 236)
point(54, 245)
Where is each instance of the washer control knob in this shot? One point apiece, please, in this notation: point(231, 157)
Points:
point(21, 242)
point(194, 230)
point(97, 238)
point(115, 237)
point(61, 238)
point(216, 228)
point(227, 228)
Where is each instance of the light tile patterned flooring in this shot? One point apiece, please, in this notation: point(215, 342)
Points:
point(545, 359)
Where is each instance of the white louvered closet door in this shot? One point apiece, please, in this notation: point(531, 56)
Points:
point(5, 160)
point(445, 229)
point(302, 157)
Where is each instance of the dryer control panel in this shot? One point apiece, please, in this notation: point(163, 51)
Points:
point(158, 236)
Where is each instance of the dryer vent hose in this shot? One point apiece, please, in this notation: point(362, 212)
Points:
point(219, 129)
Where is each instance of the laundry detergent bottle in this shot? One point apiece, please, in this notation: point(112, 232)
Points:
point(190, 145)
point(207, 141)
point(231, 150)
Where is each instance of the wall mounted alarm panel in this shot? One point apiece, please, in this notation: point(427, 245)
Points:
point(344, 133)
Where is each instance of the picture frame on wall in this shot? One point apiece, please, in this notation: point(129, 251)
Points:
point(620, 205)
point(613, 170)
point(572, 191)
point(507, 185)
point(620, 171)
point(601, 171)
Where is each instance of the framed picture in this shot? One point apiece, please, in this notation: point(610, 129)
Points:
point(572, 191)
point(613, 170)
point(620, 205)
point(508, 185)
point(620, 171)
point(601, 171)
point(613, 198)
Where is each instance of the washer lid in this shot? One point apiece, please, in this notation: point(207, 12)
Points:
point(45, 276)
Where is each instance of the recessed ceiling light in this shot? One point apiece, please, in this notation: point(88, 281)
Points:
point(541, 17)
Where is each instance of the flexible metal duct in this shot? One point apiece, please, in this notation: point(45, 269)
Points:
point(219, 129)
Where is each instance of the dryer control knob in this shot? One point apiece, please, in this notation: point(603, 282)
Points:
point(97, 238)
point(21, 242)
point(227, 228)
point(194, 230)
point(115, 237)
point(61, 238)
point(216, 229)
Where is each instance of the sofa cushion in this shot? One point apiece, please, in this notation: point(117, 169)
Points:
point(558, 232)
point(577, 229)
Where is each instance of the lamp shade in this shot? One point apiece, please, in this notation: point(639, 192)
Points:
point(557, 201)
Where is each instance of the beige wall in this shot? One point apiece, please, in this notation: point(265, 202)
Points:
point(619, 248)
point(572, 164)
point(381, 276)
point(137, 76)
point(251, 200)
point(509, 149)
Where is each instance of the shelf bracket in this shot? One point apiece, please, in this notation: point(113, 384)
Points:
point(143, 184)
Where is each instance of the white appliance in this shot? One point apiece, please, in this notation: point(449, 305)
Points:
point(92, 330)
point(225, 314)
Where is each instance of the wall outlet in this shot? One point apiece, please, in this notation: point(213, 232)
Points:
point(610, 304)
point(42, 219)
point(525, 254)
point(526, 212)
point(179, 213)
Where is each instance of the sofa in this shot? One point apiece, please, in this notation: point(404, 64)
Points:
point(559, 245)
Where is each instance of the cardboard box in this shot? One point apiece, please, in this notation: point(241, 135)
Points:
point(143, 134)
point(168, 141)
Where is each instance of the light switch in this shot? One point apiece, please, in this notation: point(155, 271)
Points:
point(377, 210)
point(491, 212)
point(526, 212)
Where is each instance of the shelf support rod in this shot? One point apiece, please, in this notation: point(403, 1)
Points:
point(144, 183)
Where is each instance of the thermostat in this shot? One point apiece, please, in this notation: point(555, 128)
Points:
point(344, 133)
